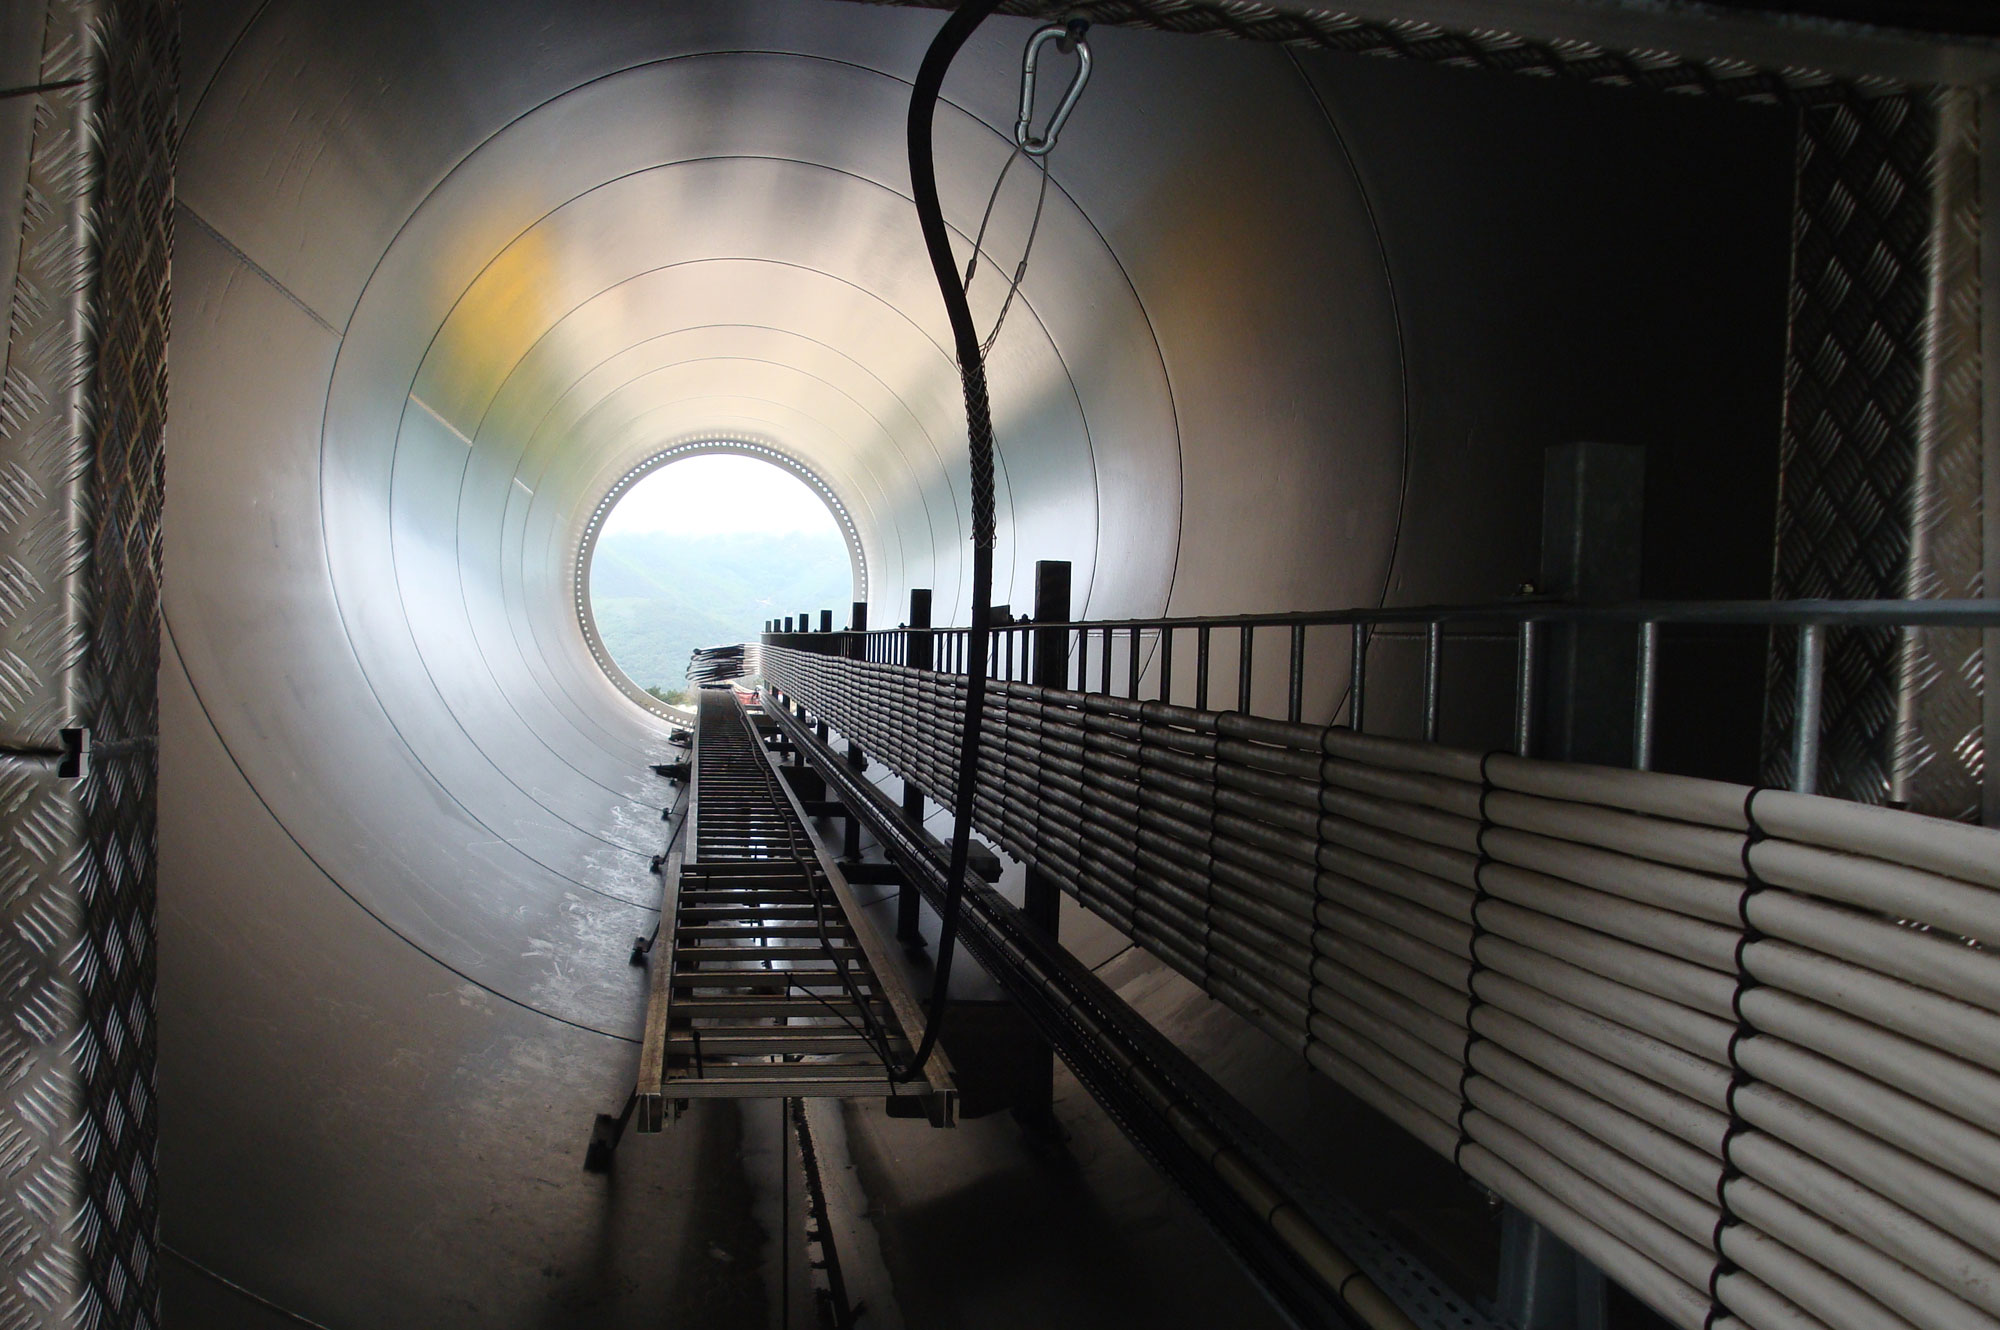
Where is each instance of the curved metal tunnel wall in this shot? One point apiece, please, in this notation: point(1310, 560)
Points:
point(447, 272)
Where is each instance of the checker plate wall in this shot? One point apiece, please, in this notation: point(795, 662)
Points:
point(1879, 467)
point(82, 409)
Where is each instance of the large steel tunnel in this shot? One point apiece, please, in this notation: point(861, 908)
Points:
point(1298, 329)
point(445, 276)
point(443, 279)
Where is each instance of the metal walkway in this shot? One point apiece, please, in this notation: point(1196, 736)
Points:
point(766, 981)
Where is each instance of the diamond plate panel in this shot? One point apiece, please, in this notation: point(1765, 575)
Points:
point(82, 409)
point(1879, 467)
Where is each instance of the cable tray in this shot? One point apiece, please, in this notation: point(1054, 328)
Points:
point(766, 981)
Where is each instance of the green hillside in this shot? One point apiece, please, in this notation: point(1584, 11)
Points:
point(658, 595)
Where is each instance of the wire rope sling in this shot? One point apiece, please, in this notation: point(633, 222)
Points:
point(971, 350)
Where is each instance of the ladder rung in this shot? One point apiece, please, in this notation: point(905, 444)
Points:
point(780, 1040)
point(761, 1006)
point(832, 1087)
point(732, 954)
point(836, 927)
point(769, 981)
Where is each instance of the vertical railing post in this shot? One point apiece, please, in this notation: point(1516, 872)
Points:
point(1357, 677)
point(1433, 665)
point(996, 642)
point(1201, 636)
point(1295, 684)
point(1244, 666)
point(1041, 899)
point(851, 845)
point(857, 627)
point(1644, 689)
point(917, 650)
point(1524, 688)
point(1132, 666)
point(1051, 650)
point(1807, 687)
point(826, 621)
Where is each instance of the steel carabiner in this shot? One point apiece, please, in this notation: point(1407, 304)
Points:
point(1072, 38)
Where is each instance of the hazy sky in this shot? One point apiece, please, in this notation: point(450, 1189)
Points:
point(719, 493)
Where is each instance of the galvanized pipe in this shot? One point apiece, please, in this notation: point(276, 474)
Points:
point(1645, 687)
point(1807, 688)
point(1524, 688)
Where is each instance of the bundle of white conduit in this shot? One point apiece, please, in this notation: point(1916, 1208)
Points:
point(1740, 1048)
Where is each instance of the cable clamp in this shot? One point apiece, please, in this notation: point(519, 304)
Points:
point(1070, 37)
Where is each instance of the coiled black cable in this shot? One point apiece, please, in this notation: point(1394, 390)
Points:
point(979, 434)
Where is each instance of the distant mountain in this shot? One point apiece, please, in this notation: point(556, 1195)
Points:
point(658, 595)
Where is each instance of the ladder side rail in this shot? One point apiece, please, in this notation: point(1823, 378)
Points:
point(659, 1003)
point(937, 1077)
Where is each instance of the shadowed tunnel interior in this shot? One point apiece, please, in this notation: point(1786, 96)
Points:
point(1296, 331)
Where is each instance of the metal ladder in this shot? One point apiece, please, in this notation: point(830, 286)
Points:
point(765, 981)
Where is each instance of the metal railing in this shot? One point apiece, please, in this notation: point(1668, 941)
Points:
point(1740, 1047)
point(1153, 659)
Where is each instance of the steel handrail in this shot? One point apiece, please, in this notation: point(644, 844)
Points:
point(1743, 613)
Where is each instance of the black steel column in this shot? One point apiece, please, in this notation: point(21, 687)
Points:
point(1042, 902)
point(908, 902)
point(1593, 507)
point(850, 842)
point(1041, 898)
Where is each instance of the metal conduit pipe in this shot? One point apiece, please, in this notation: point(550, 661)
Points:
point(1549, 990)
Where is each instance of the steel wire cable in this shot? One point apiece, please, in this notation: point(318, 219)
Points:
point(1028, 247)
point(924, 97)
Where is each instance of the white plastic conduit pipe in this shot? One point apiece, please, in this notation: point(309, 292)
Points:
point(1768, 1101)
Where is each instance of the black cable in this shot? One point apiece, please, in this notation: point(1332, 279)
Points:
point(979, 435)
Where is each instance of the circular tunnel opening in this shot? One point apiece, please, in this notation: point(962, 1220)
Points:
point(701, 546)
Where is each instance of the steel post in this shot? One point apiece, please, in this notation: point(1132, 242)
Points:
point(1594, 708)
point(1041, 899)
point(909, 901)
